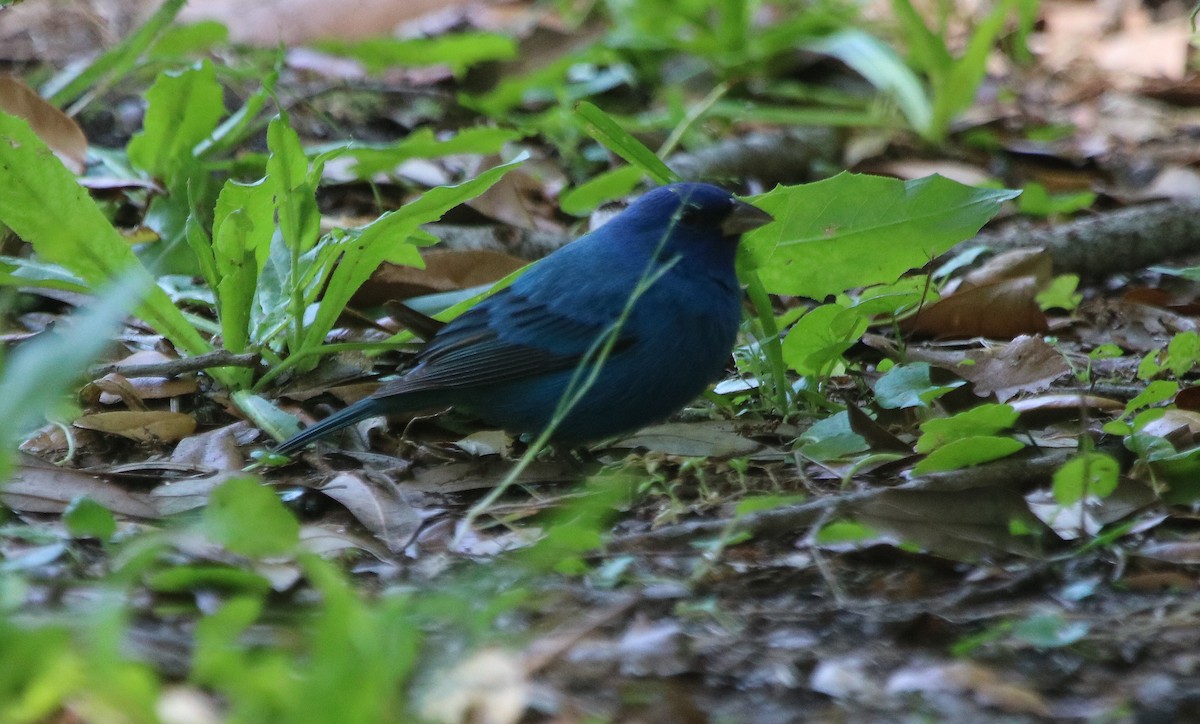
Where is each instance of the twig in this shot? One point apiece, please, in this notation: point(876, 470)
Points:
point(175, 367)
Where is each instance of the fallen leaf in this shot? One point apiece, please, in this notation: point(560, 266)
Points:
point(445, 270)
point(714, 439)
point(58, 130)
point(1027, 364)
point(35, 486)
point(384, 509)
point(998, 310)
point(983, 683)
point(149, 426)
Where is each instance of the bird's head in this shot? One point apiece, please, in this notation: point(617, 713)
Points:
point(697, 220)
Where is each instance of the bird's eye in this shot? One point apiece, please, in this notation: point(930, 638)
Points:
point(689, 214)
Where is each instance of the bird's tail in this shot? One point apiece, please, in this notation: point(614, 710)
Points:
point(361, 410)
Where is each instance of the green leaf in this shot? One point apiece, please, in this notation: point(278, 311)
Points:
point(756, 503)
point(114, 62)
point(85, 518)
point(248, 518)
point(613, 184)
point(422, 143)
point(883, 69)
point(968, 451)
point(1037, 201)
point(1050, 631)
point(855, 230)
point(832, 439)
point(845, 531)
point(1061, 294)
point(363, 252)
point(183, 109)
point(817, 340)
point(37, 193)
point(1154, 393)
point(956, 91)
point(37, 372)
point(909, 385)
point(1089, 474)
point(987, 419)
point(609, 133)
point(179, 579)
point(458, 50)
point(1183, 352)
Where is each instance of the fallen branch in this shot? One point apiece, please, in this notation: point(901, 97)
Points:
point(1112, 242)
point(792, 519)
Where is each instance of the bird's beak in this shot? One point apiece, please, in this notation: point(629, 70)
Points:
point(743, 218)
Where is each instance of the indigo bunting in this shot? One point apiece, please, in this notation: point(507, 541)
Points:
point(619, 329)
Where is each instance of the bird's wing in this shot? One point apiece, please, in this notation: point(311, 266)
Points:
point(509, 336)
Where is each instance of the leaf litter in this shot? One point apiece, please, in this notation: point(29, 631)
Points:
point(867, 585)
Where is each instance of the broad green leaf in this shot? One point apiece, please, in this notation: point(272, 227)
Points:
point(967, 451)
point(1154, 393)
point(248, 518)
point(845, 531)
point(85, 518)
point(854, 230)
point(1088, 474)
point(832, 439)
point(987, 419)
point(909, 385)
point(609, 133)
point(179, 579)
point(1036, 200)
point(183, 109)
point(458, 50)
point(818, 339)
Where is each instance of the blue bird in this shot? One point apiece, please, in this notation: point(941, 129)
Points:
point(651, 297)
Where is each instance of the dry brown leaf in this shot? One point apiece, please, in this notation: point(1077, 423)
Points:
point(1027, 364)
point(67, 29)
point(149, 426)
point(385, 511)
point(983, 683)
point(999, 310)
point(1013, 264)
point(58, 130)
point(183, 495)
point(1066, 403)
point(714, 439)
point(216, 450)
point(960, 524)
point(38, 487)
point(445, 270)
